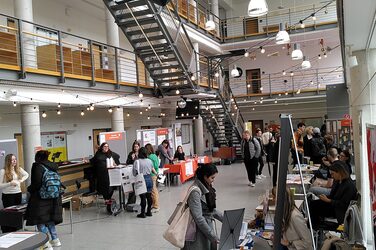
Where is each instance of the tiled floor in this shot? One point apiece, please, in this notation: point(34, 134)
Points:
point(94, 229)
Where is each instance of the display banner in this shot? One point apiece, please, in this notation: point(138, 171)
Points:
point(371, 152)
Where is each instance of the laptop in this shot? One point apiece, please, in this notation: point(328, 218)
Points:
point(261, 243)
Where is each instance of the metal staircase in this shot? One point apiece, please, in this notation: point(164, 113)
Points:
point(160, 40)
point(223, 121)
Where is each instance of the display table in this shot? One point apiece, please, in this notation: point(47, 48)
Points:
point(186, 169)
point(204, 159)
point(306, 169)
point(31, 240)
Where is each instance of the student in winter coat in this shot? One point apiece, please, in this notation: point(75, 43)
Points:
point(11, 177)
point(318, 147)
point(164, 153)
point(202, 205)
point(296, 235)
point(99, 162)
point(337, 202)
point(251, 151)
point(307, 139)
point(45, 213)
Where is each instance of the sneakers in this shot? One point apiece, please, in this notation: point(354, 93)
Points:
point(253, 185)
point(155, 210)
point(263, 176)
point(48, 246)
point(258, 177)
point(55, 242)
point(250, 183)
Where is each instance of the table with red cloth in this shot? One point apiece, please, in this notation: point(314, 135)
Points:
point(186, 169)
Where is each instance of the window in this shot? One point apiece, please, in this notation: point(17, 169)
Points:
point(253, 83)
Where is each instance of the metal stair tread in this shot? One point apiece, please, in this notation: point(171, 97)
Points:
point(150, 38)
point(132, 23)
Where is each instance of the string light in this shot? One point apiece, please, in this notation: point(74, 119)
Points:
point(140, 95)
point(302, 25)
point(88, 108)
point(291, 73)
point(44, 115)
point(148, 117)
point(286, 93)
point(110, 110)
point(118, 108)
point(248, 85)
point(128, 114)
point(91, 106)
point(325, 55)
point(149, 107)
point(298, 92)
point(311, 82)
point(262, 50)
point(141, 102)
point(177, 92)
point(313, 17)
point(261, 88)
point(283, 72)
point(319, 57)
point(246, 54)
point(140, 112)
point(193, 78)
point(58, 112)
point(14, 104)
point(82, 113)
point(58, 105)
point(275, 101)
point(216, 74)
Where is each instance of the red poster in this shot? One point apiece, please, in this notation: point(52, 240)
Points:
point(346, 123)
point(116, 136)
point(371, 151)
point(163, 131)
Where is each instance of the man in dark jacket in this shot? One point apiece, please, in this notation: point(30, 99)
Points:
point(251, 151)
point(45, 213)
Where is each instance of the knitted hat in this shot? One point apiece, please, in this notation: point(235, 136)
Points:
point(316, 130)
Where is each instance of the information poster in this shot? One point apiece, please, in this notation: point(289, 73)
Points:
point(188, 168)
point(178, 134)
point(139, 135)
point(149, 137)
point(56, 144)
point(161, 135)
point(371, 151)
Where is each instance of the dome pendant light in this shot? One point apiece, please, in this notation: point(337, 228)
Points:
point(235, 72)
point(297, 54)
point(282, 36)
point(306, 64)
point(257, 8)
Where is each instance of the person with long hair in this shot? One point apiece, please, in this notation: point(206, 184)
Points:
point(144, 166)
point(337, 202)
point(45, 213)
point(202, 205)
point(99, 162)
point(164, 153)
point(295, 233)
point(11, 177)
point(179, 154)
point(154, 176)
point(133, 155)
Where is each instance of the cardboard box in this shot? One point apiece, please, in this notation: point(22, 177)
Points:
point(76, 203)
point(88, 201)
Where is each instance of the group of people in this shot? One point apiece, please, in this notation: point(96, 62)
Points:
point(145, 161)
point(43, 212)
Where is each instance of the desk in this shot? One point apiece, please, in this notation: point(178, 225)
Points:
point(293, 181)
point(186, 169)
point(38, 239)
point(306, 169)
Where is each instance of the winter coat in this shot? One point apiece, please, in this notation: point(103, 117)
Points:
point(100, 169)
point(254, 148)
point(204, 219)
point(42, 211)
point(298, 233)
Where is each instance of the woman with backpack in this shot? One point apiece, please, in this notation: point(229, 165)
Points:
point(11, 177)
point(43, 211)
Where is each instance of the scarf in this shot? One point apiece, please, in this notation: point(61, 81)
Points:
point(210, 198)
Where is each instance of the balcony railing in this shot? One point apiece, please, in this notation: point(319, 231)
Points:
point(29, 47)
point(243, 27)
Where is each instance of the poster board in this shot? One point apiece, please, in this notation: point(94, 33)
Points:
point(7, 147)
point(56, 144)
point(178, 134)
point(162, 134)
point(149, 136)
point(117, 142)
point(371, 152)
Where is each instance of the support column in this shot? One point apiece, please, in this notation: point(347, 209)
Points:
point(197, 63)
point(112, 35)
point(23, 9)
point(214, 8)
point(117, 119)
point(362, 110)
point(30, 128)
point(199, 136)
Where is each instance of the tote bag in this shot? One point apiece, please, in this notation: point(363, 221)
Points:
point(179, 221)
point(128, 179)
point(139, 185)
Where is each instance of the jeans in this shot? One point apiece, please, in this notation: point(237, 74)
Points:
point(48, 228)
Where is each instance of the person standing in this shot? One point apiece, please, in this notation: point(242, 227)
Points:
point(99, 162)
point(164, 153)
point(259, 174)
point(307, 139)
point(251, 150)
point(154, 176)
point(317, 146)
point(203, 208)
point(144, 166)
point(298, 135)
point(11, 177)
point(268, 142)
point(45, 213)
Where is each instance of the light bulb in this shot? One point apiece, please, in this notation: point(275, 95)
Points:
point(44, 115)
point(177, 92)
point(291, 73)
point(193, 78)
point(58, 112)
point(275, 101)
point(311, 82)
point(298, 92)
point(149, 107)
point(262, 50)
point(325, 55)
point(261, 88)
point(248, 85)
point(313, 17)
point(194, 117)
point(286, 93)
point(88, 108)
point(246, 54)
point(253, 108)
point(140, 112)
point(216, 74)
point(232, 114)
point(14, 104)
point(82, 113)
point(148, 117)
point(128, 114)
point(140, 95)
point(302, 25)
point(110, 110)
point(58, 105)
point(141, 102)
point(319, 57)
point(283, 72)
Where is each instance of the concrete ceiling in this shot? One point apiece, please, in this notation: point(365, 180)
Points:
point(358, 19)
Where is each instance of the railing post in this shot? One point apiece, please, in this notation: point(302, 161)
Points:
point(317, 81)
point(289, 17)
point(293, 86)
point(267, 27)
point(244, 28)
point(92, 63)
point(22, 73)
point(270, 86)
point(137, 76)
point(117, 86)
point(62, 77)
point(209, 69)
point(197, 16)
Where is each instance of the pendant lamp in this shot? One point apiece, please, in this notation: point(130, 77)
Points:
point(282, 36)
point(306, 64)
point(296, 54)
point(257, 8)
point(210, 25)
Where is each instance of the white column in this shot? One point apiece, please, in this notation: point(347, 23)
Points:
point(362, 110)
point(117, 119)
point(23, 9)
point(196, 46)
point(112, 35)
point(30, 125)
point(214, 8)
point(199, 136)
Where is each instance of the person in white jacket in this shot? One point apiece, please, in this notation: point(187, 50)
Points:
point(11, 177)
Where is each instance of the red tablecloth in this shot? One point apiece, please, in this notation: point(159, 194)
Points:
point(186, 169)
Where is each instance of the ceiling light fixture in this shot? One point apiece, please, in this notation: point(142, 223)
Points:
point(306, 64)
point(257, 8)
point(44, 115)
point(262, 50)
point(296, 54)
point(282, 36)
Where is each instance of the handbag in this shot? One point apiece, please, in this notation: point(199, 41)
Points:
point(127, 179)
point(140, 184)
point(179, 221)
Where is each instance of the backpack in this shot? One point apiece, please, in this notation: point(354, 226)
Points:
point(51, 184)
point(318, 147)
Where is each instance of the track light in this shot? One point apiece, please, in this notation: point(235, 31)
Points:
point(44, 115)
point(14, 104)
point(58, 112)
point(110, 110)
point(262, 50)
